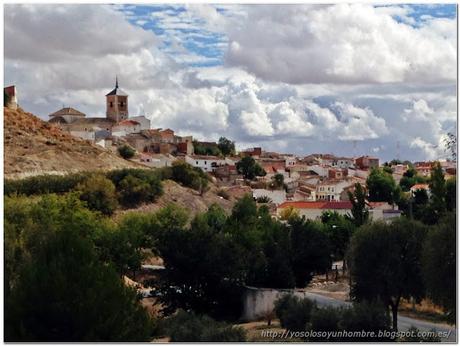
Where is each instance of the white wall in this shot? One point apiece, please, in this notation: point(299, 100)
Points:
point(277, 196)
point(145, 123)
point(88, 135)
point(205, 164)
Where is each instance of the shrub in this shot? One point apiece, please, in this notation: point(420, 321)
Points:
point(294, 313)
point(264, 199)
point(126, 151)
point(370, 317)
point(188, 327)
point(99, 194)
point(133, 191)
point(42, 184)
point(325, 320)
point(189, 176)
point(142, 186)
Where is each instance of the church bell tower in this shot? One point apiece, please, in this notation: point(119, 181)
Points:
point(117, 104)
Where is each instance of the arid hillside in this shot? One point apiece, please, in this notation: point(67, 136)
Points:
point(33, 146)
point(186, 198)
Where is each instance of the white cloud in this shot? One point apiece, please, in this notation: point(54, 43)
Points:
point(343, 44)
point(260, 104)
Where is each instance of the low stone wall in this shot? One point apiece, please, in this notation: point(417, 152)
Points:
point(257, 302)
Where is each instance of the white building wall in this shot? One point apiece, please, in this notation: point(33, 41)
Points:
point(207, 165)
point(88, 135)
point(145, 124)
point(277, 196)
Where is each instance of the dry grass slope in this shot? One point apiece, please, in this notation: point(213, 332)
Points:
point(33, 146)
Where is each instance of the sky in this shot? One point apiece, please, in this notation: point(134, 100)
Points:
point(349, 79)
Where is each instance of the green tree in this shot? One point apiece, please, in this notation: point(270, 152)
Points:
point(133, 191)
point(438, 191)
point(288, 213)
point(368, 317)
point(249, 168)
point(190, 176)
point(439, 263)
point(226, 146)
point(339, 230)
point(204, 274)
point(75, 297)
point(278, 181)
point(359, 210)
point(311, 250)
point(52, 260)
point(385, 263)
point(123, 245)
point(381, 187)
point(451, 194)
point(99, 193)
point(126, 151)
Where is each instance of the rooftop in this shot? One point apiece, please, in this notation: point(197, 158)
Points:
point(67, 111)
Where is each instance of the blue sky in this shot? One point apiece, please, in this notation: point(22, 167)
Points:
point(289, 78)
point(198, 41)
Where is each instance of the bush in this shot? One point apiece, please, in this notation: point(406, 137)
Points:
point(133, 191)
point(126, 151)
point(325, 320)
point(264, 199)
point(188, 327)
point(99, 194)
point(136, 186)
point(42, 184)
point(294, 313)
point(189, 176)
point(370, 317)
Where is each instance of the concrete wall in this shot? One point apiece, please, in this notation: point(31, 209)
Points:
point(259, 301)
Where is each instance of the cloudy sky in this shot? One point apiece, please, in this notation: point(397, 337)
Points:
point(346, 79)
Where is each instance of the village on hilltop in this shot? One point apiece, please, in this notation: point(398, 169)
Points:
point(311, 185)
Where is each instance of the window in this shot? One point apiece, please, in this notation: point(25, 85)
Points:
point(197, 162)
point(111, 104)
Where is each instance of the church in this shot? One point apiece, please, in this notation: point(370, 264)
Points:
point(117, 122)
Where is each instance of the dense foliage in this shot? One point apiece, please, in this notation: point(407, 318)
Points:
point(439, 264)
point(189, 327)
point(301, 314)
point(226, 146)
point(58, 284)
point(190, 176)
point(126, 151)
point(99, 193)
point(385, 263)
point(249, 168)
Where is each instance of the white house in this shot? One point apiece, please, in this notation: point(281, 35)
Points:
point(125, 127)
point(331, 189)
point(206, 163)
point(156, 160)
point(277, 196)
point(143, 121)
